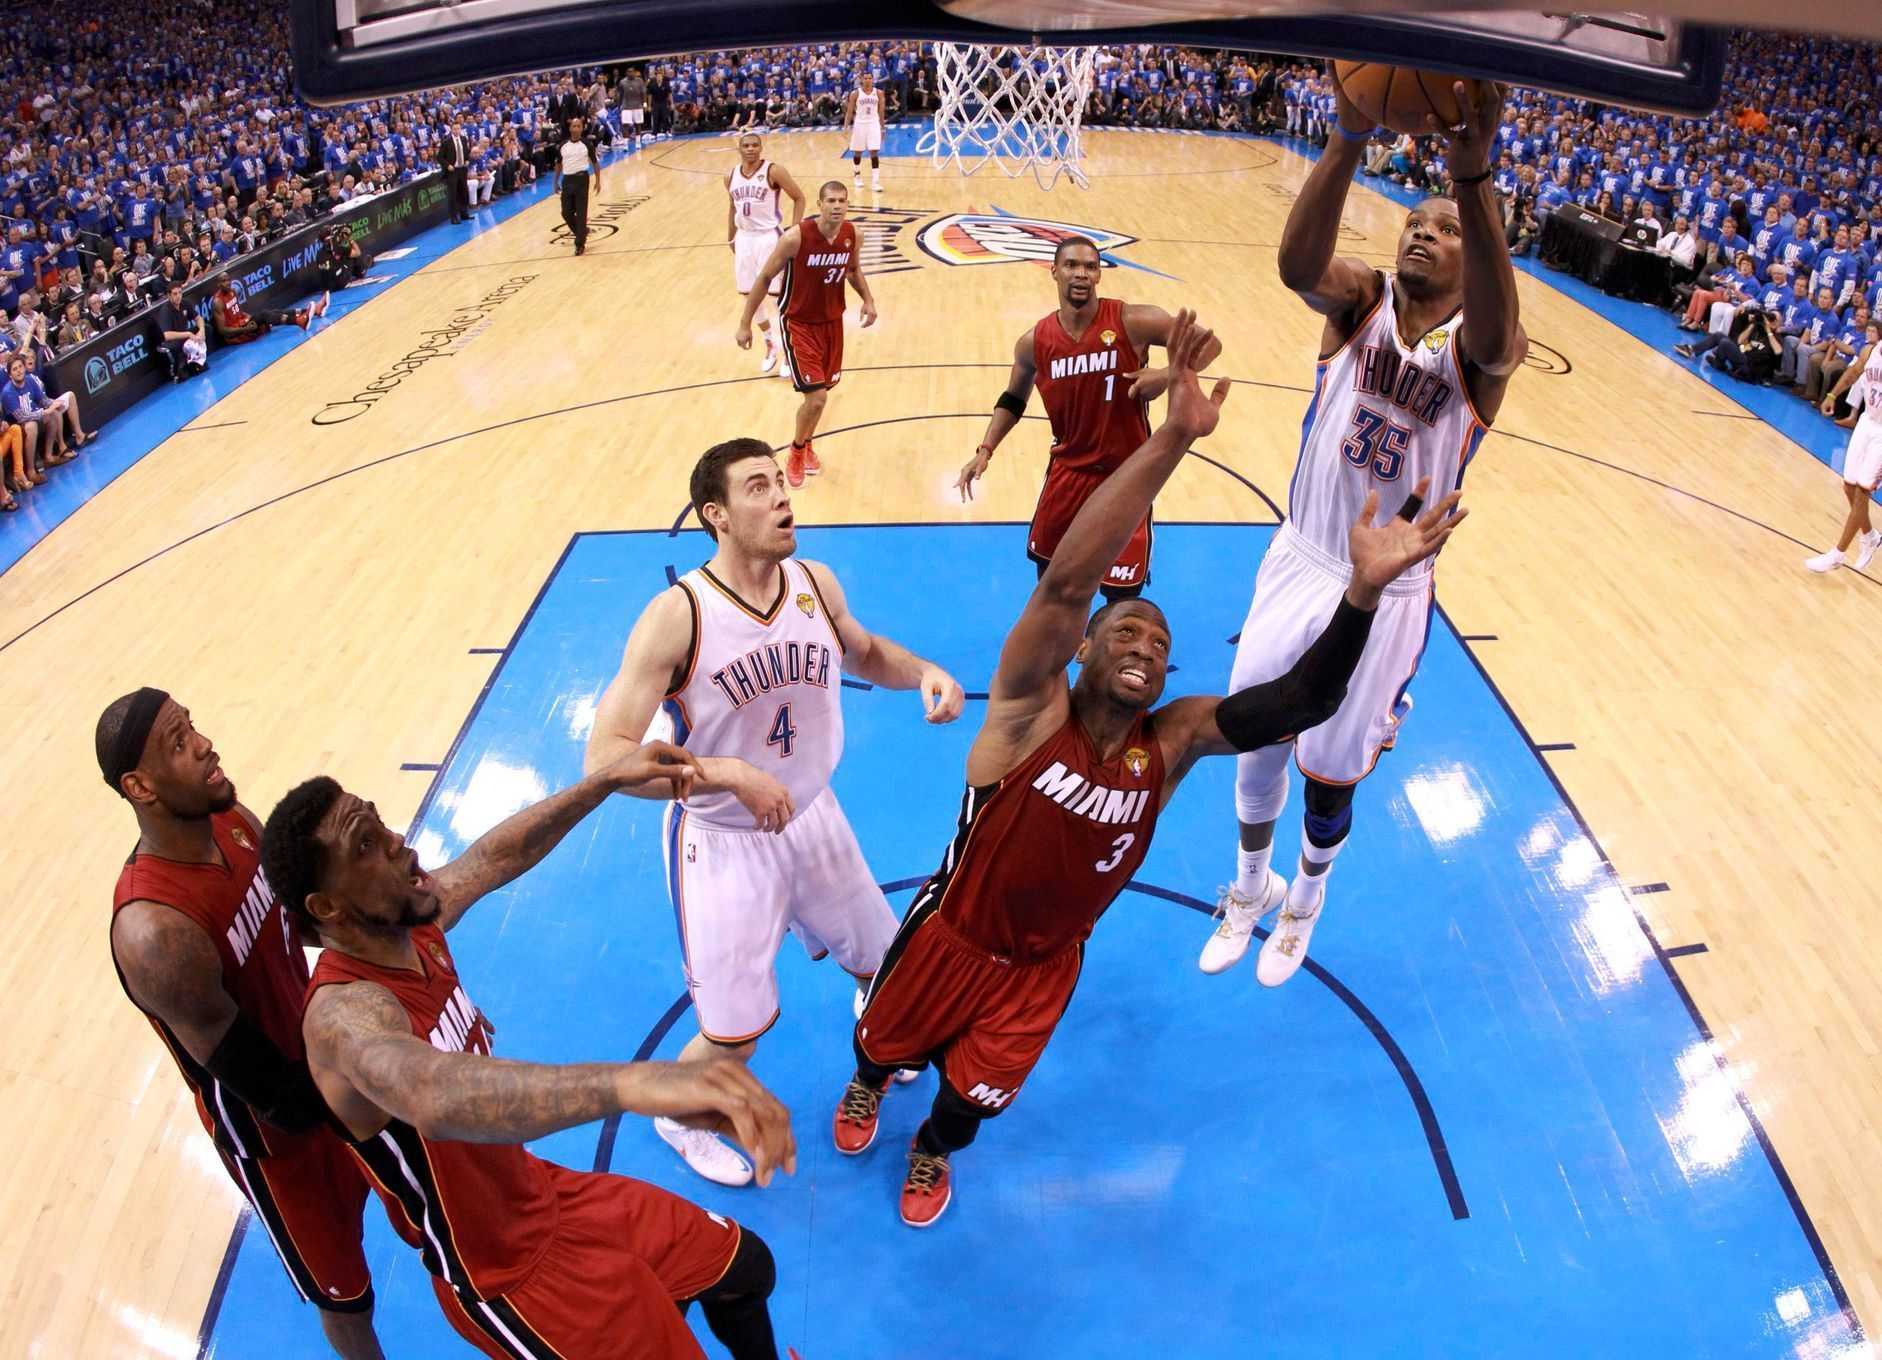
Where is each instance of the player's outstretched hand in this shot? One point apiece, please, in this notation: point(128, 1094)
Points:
point(1147, 384)
point(1191, 347)
point(1470, 141)
point(744, 337)
point(720, 1095)
point(941, 695)
point(976, 468)
point(768, 801)
point(654, 762)
point(1381, 553)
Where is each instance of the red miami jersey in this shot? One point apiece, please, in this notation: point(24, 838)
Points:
point(1095, 423)
point(1042, 854)
point(479, 1213)
point(814, 277)
point(263, 968)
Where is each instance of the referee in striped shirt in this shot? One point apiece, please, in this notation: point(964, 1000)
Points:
point(576, 173)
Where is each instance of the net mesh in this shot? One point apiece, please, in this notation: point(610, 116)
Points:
point(1020, 108)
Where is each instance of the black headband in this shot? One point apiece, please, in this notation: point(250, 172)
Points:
point(127, 748)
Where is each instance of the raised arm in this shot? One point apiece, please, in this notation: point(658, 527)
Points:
point(366, 1060)
point(881, 661)
point(1044, 640)
point(1491, 339)
point(1006, 413)
point(518, 844)
point(173, 972)
point(658, 650)
point(786, 247)
point(1338, 289)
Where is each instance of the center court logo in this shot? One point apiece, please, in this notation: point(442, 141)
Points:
point(1000, 238)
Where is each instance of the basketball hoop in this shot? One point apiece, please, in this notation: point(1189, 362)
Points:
point(1019, 107)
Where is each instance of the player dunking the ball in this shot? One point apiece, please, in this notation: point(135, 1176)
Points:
point(1064, 787)
point(747, 655)
point(754, 220)
point(818, 259)
point(1088, 360)
point(862, 119)
point(1413, 369)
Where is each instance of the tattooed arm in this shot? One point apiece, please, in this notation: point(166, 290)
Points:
point(371, 1067)
point(515, 846)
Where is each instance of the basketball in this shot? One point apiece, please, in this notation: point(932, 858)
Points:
point(1399, 98)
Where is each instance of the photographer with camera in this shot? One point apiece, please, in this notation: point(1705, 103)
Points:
point(340, 261)
point(1749, 353)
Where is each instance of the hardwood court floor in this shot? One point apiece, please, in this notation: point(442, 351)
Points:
point(314, 592)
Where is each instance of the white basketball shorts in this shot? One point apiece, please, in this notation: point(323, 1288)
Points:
point(866, 136)
point(750, 250)
point(1296, 591)
point(1862, 464)
point(736, 894)
point(634, 117)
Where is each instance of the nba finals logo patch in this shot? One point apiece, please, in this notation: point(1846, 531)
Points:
point(240, 837)
point(1137, 760)
point(437, 952)
point(1109, 337)
point(1000, 238)
point(808, 605)
point(1434, 341)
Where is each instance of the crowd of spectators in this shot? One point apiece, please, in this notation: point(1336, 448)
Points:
point(152, 144)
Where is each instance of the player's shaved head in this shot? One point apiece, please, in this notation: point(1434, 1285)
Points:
point(1110, 607)
point(1058, 251)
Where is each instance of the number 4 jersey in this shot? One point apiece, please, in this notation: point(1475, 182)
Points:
point(763, 686)
point(1384, 415)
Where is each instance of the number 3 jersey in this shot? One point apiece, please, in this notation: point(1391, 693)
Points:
point(763, 687)
point(1042, 854)
point(1384, 414)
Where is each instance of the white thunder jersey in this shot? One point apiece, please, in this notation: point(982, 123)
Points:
point(762, 687)
point(868, 105)
point(1384, 415)
point(754, 200)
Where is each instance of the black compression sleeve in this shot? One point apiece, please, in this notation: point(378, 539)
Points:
point(1010, 403)
point(283, 1093)
point(1307, 695)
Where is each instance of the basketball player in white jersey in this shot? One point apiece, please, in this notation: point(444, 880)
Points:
point(1862, 461)
point(743, 659)
point(862, 119)
point(1413, 369)
point(754, 220)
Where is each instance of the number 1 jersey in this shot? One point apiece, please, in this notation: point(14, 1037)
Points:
point(1384, 414)
point(760, 686)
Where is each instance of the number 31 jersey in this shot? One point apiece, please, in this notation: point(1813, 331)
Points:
point(1384, 415)
point(762, 687)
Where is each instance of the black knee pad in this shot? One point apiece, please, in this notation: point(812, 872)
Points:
point(753, 1273)
point(1329, 812)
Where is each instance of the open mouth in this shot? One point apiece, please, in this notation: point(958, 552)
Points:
point(1418, 253)
point(788, 523)
point(215, 775)
point(418, 878)
point(1134, 677)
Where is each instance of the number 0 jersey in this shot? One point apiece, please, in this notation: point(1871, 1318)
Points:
point(1384, 414)
point(1042, 854)
point(761, 687)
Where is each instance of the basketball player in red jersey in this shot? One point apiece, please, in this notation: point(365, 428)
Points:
point(202, 948)
point(817, 259)
point(1064, 786)
point(527, 1258)
point(1089, 360)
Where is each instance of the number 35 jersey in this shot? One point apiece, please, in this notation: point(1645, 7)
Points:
point(1384, 415)
point(1042, 854)
point(763, 687)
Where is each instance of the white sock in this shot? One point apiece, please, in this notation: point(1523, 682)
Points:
point(1251, 871)
point(1308, 891)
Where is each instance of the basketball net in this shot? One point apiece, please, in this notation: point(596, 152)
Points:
point(1020, 108)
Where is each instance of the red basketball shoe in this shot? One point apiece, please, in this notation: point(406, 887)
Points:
point(927, 1189)
point(812, 464)
point(794, 467)
point(854, 1127)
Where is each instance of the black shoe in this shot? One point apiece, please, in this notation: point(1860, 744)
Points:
point(581, 247)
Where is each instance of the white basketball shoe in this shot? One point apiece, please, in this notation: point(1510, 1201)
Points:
point(1285, 950)
point(1866, 548)
point(1224, 949)
point(1827, 561)
point(708, 1154)
point(770, 360)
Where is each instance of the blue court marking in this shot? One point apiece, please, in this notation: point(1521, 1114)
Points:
point(1195, 1157)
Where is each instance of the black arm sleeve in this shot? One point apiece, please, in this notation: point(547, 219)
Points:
point(281, 1092)
point(1307, 695)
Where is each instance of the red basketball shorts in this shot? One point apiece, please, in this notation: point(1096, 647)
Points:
point(813, 353)
point(624, 1253)
point(310, 1198)
point(940, 998)
point(1065, 490)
